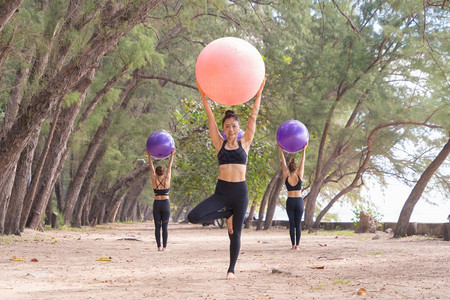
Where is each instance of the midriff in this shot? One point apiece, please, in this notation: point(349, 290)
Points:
point(232, 172)
point(294, 194)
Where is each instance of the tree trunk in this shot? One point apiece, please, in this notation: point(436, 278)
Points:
point(273, 199)
point(102, 197)
point(31, 192)
point(7, 10)
point(136, 188)
point(112, 209)
point(401, 228)
point(21, 182)
point(85, 191)
point(146, 213)
point(49, 211)
point(250, 215)
point(7, 179)
point(5, 194)
point(80, 205)
point(59, 187)
point(59, 140)
point(86, 209)
point(266, 196)
point(132, 199)
point(76, 184)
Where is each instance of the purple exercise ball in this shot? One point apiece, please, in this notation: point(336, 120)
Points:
point(240, 134)
point(292, 136)
point(160, 144)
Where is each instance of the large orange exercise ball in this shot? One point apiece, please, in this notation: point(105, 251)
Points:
point(230, 71)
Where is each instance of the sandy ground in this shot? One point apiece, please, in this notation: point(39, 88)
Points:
point(327, 266)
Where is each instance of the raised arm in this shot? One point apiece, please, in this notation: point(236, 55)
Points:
point(250, 130)
point(283, 163)
point(214, 133)
point(152, 169)
point(169, 168)
point(301, 170)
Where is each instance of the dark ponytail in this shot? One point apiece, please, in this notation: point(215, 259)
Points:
point(292, 165)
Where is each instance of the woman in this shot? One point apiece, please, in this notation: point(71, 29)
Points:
point(161, 204)
point(294, 202)
point(230, 198)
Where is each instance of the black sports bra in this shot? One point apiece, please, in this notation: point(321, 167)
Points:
point(236, 156)
point(159, 192)
point(297, 187)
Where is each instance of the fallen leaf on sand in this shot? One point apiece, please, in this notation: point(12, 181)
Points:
point(362, 292)
point(34, 260)
point(322, 245)
point(17, 258)
point(317, 267)
point(104, 258)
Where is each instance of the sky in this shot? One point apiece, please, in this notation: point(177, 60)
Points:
point(390, 204)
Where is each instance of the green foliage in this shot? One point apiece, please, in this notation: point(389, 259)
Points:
point(71, 98)
point(138, 49)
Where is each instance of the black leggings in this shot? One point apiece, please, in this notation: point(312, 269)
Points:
point(161, 215)
point(229, 198)
point(294, 208)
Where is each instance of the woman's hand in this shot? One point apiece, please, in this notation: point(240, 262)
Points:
point(261, 87)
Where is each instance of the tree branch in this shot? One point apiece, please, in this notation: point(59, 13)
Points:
point(357, 32)
point(142, 76)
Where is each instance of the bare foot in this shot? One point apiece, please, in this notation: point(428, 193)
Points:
point(231, 276)
point(160, 249)
point(230, 224)
point(293, 247)
point(296, 247)
point(164, 249)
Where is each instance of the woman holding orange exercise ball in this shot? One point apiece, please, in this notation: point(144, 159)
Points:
point(230, 199)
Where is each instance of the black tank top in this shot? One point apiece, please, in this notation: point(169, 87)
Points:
point(160, 192)
point(236, 156)
point(297, 187)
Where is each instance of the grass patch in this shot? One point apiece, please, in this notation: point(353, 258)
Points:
point(5, 240)
point(332, 232)
point(319, 287)
point(127, 222)
point(424, 238)
point(67, 228)
point(376, 253)
point(103, 227)
point(342, 281)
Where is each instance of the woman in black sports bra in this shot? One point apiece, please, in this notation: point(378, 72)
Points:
point(161, 204)
point(230, 199)
point(294, 202)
